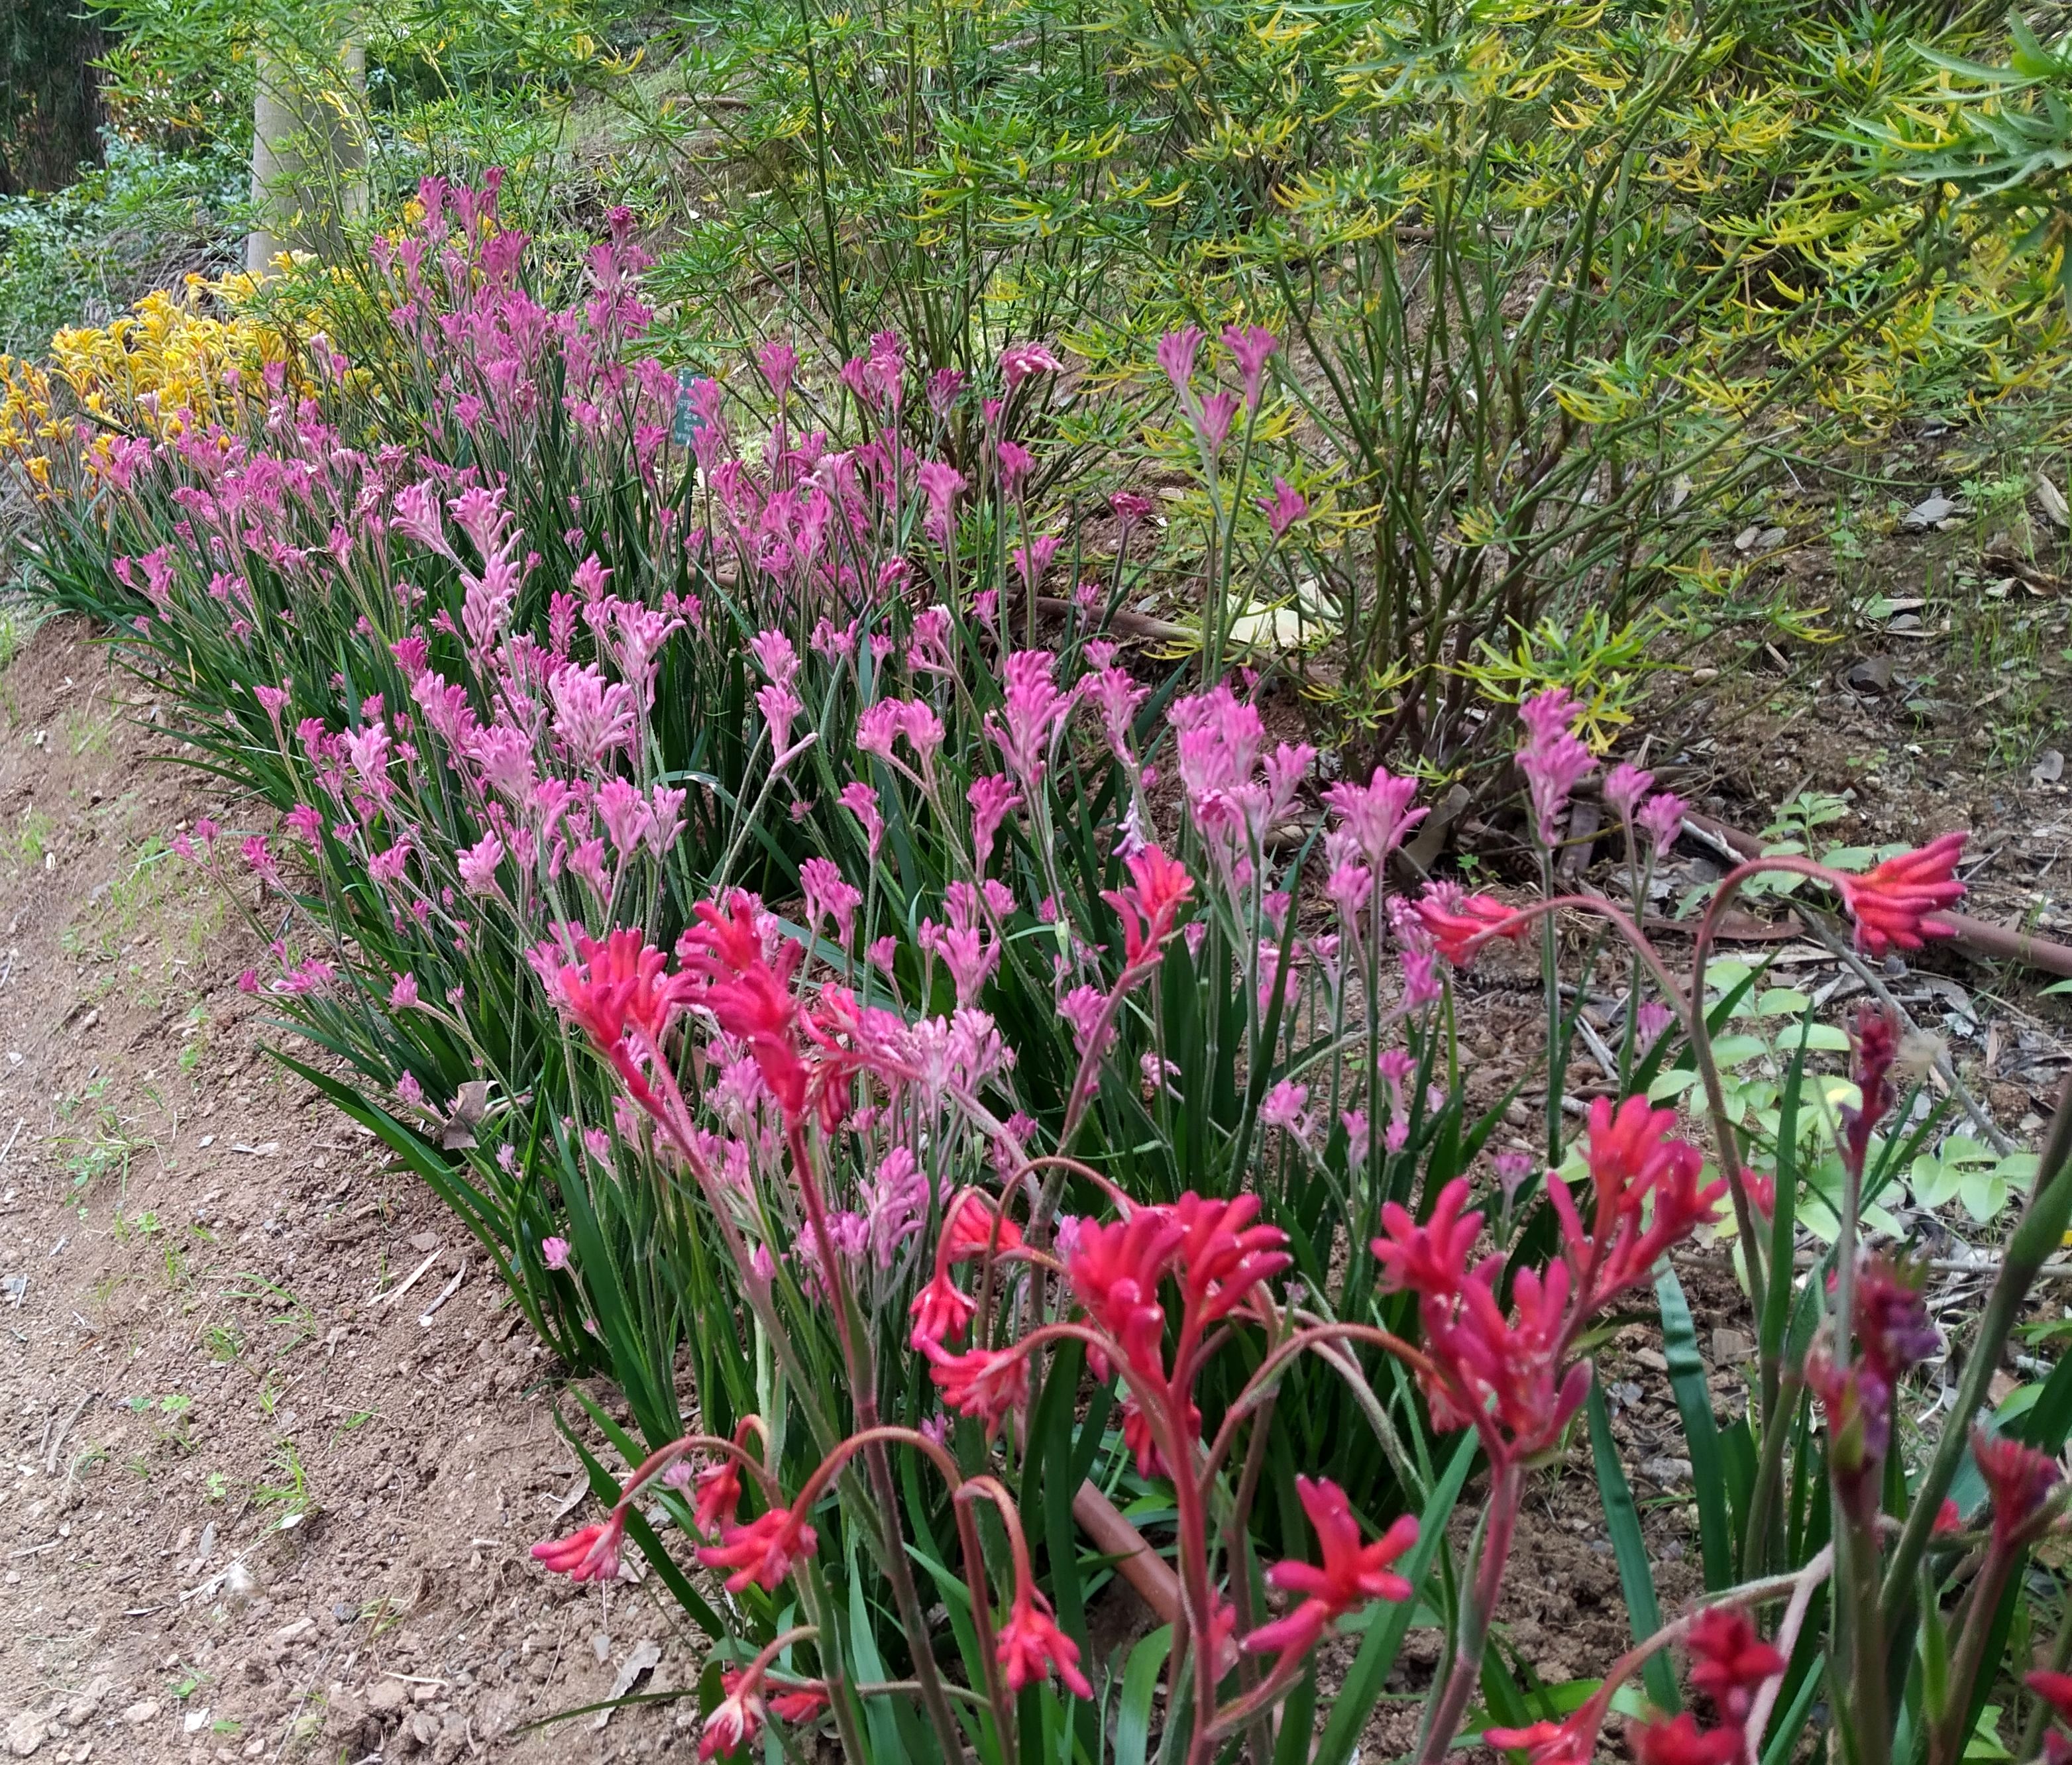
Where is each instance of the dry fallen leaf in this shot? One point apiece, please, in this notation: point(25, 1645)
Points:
point(1931, 511)
point(645, 1656)
point(2053, 503)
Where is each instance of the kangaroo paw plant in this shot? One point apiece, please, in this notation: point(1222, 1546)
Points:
point(982, 1095)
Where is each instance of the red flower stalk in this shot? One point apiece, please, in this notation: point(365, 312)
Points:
point(1730, 1661)
point(1222, 1256)
point(1149, 905)
point(1352, 1574)
point(737, 1719)
point(799, 1703)
point(748, 998)
point(2055, 1689)
point(763, 1551)
point(1891, 902)
point(1114, 1271)
point(990, 1384)
point(1505, 1376)
point(617, 990)
point(1457, 922)
point(1677, 1740)
point(1631, 1161)
point(744, 1709)
point(971, 1227)
point(1893, 1333)
point(2019, 1481)
point(1949, 1518)
point(1031, 1646)
point(1876, 1040)
point(1856, 1403)
point(1762, 1195)
point(591, 1554)
point(1142, 1444)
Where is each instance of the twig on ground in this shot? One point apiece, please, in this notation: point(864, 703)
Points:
point(410, 1281)
point(58, 1439)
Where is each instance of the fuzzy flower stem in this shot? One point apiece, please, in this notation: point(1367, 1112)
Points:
point(1801, 1585)
point(1236, 1536)
point(874, 1440)
point(1620, 922)
point(753, 818)
point(659, 1461)
point(2039, 1232)
point(1264, 1382)
point(1861, 1639)
point(752, 1675)
point(1947, 1736)
point(1806, 1584)
point(672, 1117)
point(1768, 1481)
point(1040, 1216)
point(863, 1387)
point(1550, 982)
point(1442, 1715)
point(984, 1488)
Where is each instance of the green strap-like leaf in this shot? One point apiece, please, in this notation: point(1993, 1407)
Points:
point(1622, 1521)
point(1140, 1682)
point(1694, 1403)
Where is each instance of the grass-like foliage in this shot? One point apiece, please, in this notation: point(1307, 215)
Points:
point(949, 1078)
point(986, 1091)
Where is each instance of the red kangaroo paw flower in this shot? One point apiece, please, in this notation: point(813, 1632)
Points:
point(761, 1552)
point(1352, 1573)
point(1891, 903)
point(591, 1554)
point(1032, 1647)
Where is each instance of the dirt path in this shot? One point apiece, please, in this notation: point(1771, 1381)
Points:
point(253, 1510)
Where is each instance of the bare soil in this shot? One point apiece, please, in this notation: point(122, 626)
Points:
point(261, 1502)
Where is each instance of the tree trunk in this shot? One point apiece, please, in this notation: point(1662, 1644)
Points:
point(50, 93)
point(309, 157)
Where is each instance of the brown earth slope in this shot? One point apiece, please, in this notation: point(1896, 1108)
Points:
point(255, 1507)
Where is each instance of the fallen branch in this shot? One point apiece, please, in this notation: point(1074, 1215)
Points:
point(1978, 937)
point(1136, 1562)
point(1130, 624)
